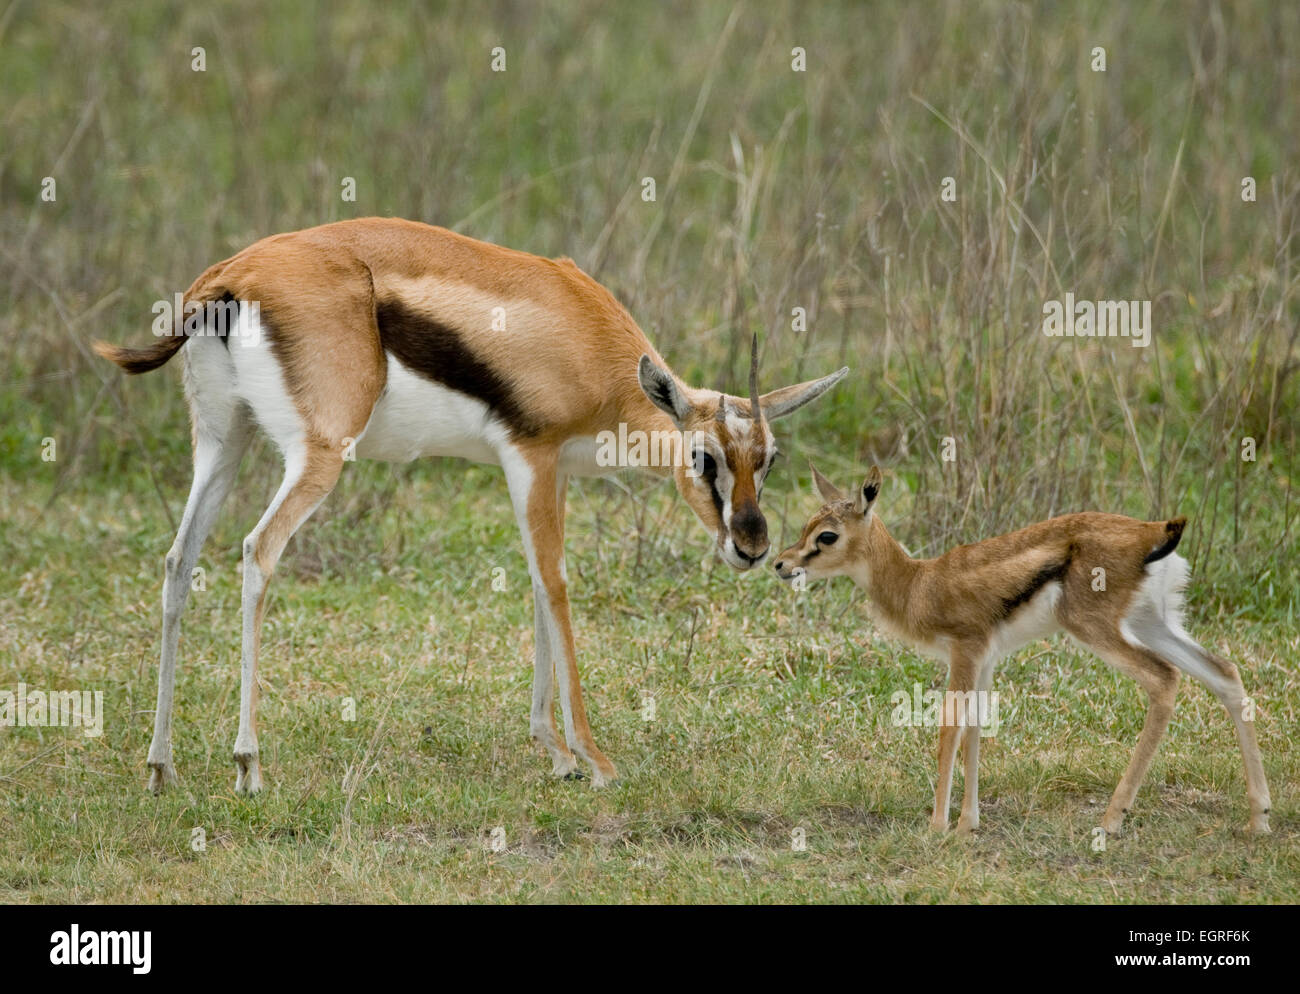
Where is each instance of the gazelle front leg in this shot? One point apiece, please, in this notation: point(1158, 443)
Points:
point(970, 804)
point(542, 718)
point(533, 481)
point(962, 665)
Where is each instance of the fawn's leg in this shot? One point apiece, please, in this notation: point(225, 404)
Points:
point(970, 804)
point(1160, 681)
point(963, 663)
point(1232, 694)
point(1223, 679)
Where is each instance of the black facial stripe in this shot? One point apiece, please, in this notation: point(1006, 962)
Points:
point(717, 498)
point(436, 352)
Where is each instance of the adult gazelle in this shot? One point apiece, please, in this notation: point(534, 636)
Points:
point(388, 339)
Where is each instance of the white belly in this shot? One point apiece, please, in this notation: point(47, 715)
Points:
point(1034, 620)
point(415, 417)
point(578, 458)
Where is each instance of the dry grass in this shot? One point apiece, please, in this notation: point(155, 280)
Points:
point(774, 190)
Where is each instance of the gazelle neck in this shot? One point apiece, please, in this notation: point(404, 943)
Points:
point(887, 573)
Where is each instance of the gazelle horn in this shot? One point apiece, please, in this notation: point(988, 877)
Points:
point(755, 411)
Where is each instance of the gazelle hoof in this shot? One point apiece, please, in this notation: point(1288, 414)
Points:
point(1113, 823)
point(574, 775)
point(161, 775)
point(1258, 825)
point(248, 773)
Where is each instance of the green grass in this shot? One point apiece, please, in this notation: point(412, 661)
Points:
point(780, 720)
point(775, 190)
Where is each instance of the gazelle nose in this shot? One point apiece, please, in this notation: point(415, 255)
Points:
point(747, 557)
point(778, 564)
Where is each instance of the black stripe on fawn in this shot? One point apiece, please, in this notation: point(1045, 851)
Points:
point(436, 351)
point(1173, 532)
point(1050, 573)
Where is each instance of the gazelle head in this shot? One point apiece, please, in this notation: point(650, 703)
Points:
point(835, 541)
point(731, 452)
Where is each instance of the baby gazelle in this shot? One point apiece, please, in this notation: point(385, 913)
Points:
point(976, 603)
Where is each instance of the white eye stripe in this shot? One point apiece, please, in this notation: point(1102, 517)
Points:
point(725, 483)
point(724, 479)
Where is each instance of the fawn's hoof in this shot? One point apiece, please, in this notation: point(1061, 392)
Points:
point(1258, 825)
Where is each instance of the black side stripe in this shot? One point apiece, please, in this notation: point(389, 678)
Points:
point(437, 352)
point(1048, 574)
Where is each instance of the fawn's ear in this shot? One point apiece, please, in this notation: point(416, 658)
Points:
point(829, 491)
point(866, 495)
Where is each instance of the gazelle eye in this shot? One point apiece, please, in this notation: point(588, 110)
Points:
point(710, 467)
point(827, 538)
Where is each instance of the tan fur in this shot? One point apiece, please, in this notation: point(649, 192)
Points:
point(963, 605)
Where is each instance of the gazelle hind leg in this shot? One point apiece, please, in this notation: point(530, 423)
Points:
point(216, 463)
point(222, 430)
point(311, 470)
point(1160, 681)
point(1224, 680)
point(1233, 698)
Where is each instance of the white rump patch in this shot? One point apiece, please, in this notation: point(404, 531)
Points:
point(1155, 622)
point(209, 383)
point(1163, 587)
point(259, 383)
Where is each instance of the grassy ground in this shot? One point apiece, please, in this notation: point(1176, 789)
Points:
point(775, 190)
point(772, 714)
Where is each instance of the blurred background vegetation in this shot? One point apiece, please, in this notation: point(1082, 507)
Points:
point(776, 189)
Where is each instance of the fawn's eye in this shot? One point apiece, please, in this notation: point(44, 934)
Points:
point(827, 538)
point(709, 466)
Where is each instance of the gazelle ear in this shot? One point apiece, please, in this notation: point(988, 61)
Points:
point(779, 403)
point(829, 491)
point(663, 390)
point(866, 495)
